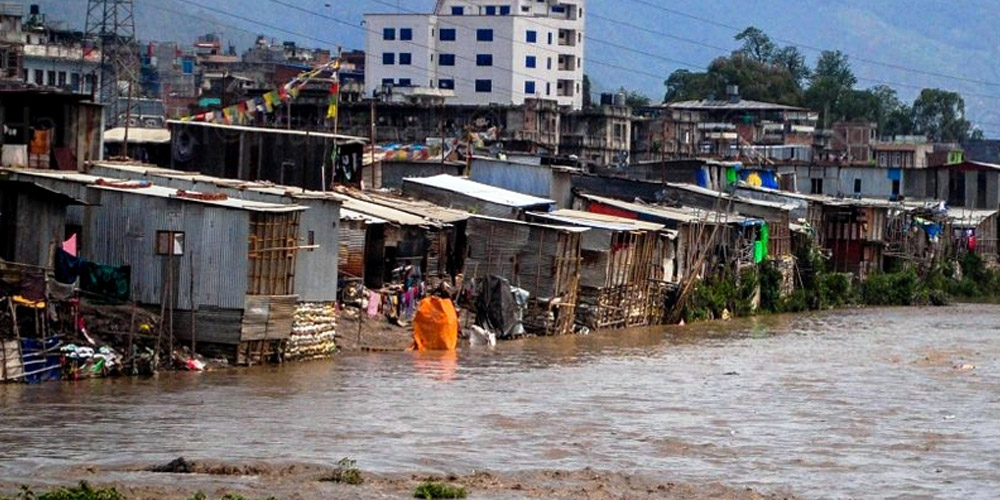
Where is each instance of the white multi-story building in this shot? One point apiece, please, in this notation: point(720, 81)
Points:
point(485, 51)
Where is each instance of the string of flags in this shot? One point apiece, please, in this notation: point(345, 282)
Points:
point(241, 113)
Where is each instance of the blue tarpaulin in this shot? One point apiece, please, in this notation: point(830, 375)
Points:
point(40, 359)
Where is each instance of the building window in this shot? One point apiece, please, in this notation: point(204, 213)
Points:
point(491, 10)
point(525, 8)
point(446, 59)
point(484, 59)
point(857, 186)
point(484, 85)
point(405, 58)
point(169, 243)
point(815, 186)
point(74, 81)
point(388, 58)
point(548, 88)
point(446, 83)
point(458, 11)
point(39, 77)
point(405, 82)
point(549, 65)
point(484, 35)
point(531, 36)
point(62, 78)
point(387, 82)
point(447, 34)
point(895, 188)
point(529, 61)
point(52, 79)
point(558, 8)
point(550, 38)
point(311, 239)
point(505, 10)
point(529, 87)
point(388, 33)
point(405, 34)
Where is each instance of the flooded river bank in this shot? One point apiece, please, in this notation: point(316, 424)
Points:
point(860, 403)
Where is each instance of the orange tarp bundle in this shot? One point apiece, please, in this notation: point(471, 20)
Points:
point(435, 326)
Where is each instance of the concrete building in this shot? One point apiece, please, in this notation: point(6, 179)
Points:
point(496, 51)
point(58, 57)
point(11, 41)
point(598, 136)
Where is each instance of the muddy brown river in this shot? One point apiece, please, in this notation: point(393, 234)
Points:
point(874, 403)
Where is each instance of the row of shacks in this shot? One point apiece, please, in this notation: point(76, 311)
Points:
point(258, 269)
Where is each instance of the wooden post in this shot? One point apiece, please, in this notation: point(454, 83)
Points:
point(192, 304)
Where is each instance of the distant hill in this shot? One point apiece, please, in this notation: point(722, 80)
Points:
point(959, 39)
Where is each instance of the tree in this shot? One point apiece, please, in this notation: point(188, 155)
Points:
point(794, 62)
point(834, 65)
point(586, 91)
point(831, 88)
point(940, 115)
point(684, 85)
point(977, 134)
point(757, 45)
point(635, 99)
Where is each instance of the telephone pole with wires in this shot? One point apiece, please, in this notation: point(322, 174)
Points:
point(111, 27)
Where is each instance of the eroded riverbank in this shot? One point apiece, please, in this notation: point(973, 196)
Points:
point(851, 403)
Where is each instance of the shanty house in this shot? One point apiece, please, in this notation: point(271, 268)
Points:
point(540, 258)
point(626, 268)
point(474, 197)
point(227, 263)
point(32, 221)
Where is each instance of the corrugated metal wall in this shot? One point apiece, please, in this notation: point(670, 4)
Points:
point(535, 180)
point(122, 231)
point(315, 270)
point(352, 253)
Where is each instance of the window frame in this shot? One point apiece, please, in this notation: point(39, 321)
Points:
point(484, 34)
point(482, 84)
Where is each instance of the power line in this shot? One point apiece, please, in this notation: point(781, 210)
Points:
point(817, 49)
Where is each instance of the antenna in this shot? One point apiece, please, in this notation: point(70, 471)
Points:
point(111, 26)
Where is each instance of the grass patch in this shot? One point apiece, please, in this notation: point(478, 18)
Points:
point(82, 492)
point(430, 490)
point(346, 472)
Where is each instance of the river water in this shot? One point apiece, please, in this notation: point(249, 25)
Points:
point(859, 403)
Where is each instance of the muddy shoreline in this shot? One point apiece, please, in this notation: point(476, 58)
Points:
point(307, 481)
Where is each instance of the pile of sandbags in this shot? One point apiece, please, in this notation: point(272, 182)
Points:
point(313, 331)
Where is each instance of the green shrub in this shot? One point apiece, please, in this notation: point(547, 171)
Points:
point(82, 492)
point(430, 490)
point(346, 472)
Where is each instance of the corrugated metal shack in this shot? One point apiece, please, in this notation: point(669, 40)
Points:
point(976, 231)
point(48, 128)
point(390, 174)
point(703, 236)
point(480, 199)
point(402, 239)
point(526, 175)
point(447, 242)
point(315, 266)
point(542, 259)
point(287, 157)
point(236, 256)
point(625, 271)
point(32, 221)
point(854, 233)
point(777, 215)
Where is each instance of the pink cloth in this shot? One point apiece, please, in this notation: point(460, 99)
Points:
point(374, 300)
point(69, 246)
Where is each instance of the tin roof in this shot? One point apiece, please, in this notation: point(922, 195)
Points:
point(569, 229)
point(420, 208)
point(263, 130)
point(479, 191)
point(138, 135)
point(968, 218)
point(386, 214)
point(679, 214)
point(719, 194)
point(153, 190)
point(742, 104)
point(596, 221)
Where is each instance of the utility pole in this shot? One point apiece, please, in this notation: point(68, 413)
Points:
point(111, 26)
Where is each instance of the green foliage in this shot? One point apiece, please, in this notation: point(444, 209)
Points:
point(346, 472)
point(82, 492)
point(431, 490)
point(891, 289)
point(227, 496)
point(940, 115)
